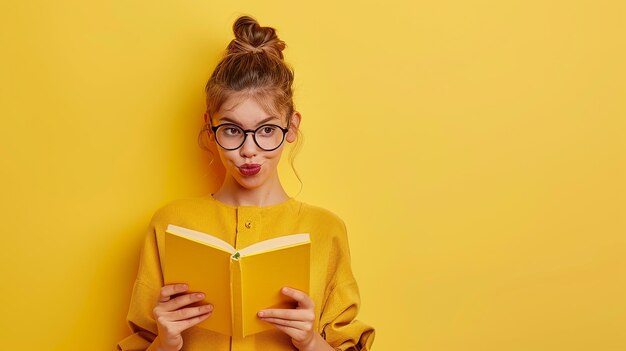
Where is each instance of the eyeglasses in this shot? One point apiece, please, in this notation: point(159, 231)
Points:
point(268, 136)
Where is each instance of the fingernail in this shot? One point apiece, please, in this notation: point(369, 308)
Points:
point(285, 289)
point(260, 313)
point(200, 295)
point(183, 286)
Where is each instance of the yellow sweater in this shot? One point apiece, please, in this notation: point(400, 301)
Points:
point(332, 285)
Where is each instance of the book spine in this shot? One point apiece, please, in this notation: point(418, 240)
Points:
point(236, 296)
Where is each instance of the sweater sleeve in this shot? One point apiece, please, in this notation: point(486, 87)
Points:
point(338, 322)
point(144, 296)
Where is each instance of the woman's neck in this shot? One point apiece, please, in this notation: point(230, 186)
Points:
point(232, 193)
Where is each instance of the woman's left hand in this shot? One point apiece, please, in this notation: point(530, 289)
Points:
point(298, 322)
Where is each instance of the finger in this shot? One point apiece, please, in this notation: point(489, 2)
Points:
point(290, 314)
point(303, 299)
point(189, 312)
point(171, 289)
point(299, 325)
point(291, 332)
point(182, 301)
point(179, 326)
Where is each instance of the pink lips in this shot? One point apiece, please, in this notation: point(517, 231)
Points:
point(249, 169)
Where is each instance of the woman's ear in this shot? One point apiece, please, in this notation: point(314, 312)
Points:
point(294, 125)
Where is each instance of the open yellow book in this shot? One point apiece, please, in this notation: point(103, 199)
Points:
point(238, 283)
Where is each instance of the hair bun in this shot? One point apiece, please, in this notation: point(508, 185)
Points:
point(250, 37)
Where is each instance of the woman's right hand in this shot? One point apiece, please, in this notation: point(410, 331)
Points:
point(172, 315)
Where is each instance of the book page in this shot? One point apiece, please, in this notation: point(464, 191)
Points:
point(275, 243)
point(201, 237)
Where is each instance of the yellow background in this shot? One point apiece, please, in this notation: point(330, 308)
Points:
point(475, 149)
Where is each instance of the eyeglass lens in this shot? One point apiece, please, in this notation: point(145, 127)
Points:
point(267, 137)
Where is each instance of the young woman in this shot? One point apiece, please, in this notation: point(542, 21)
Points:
point(250, 114)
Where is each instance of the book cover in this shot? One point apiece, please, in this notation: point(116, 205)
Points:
point(238, 283)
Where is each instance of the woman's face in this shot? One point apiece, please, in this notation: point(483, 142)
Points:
point(251, 166)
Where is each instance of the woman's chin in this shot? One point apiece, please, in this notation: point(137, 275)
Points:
point(249, 182)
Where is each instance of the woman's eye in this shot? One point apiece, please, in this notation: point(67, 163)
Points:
point(231, 131)
point(267, 130)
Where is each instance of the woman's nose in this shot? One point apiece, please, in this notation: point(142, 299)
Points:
point(249, 147)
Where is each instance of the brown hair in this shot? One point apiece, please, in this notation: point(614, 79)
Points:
point(253, 66)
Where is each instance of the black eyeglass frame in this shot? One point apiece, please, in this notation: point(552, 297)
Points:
point(245, 135)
